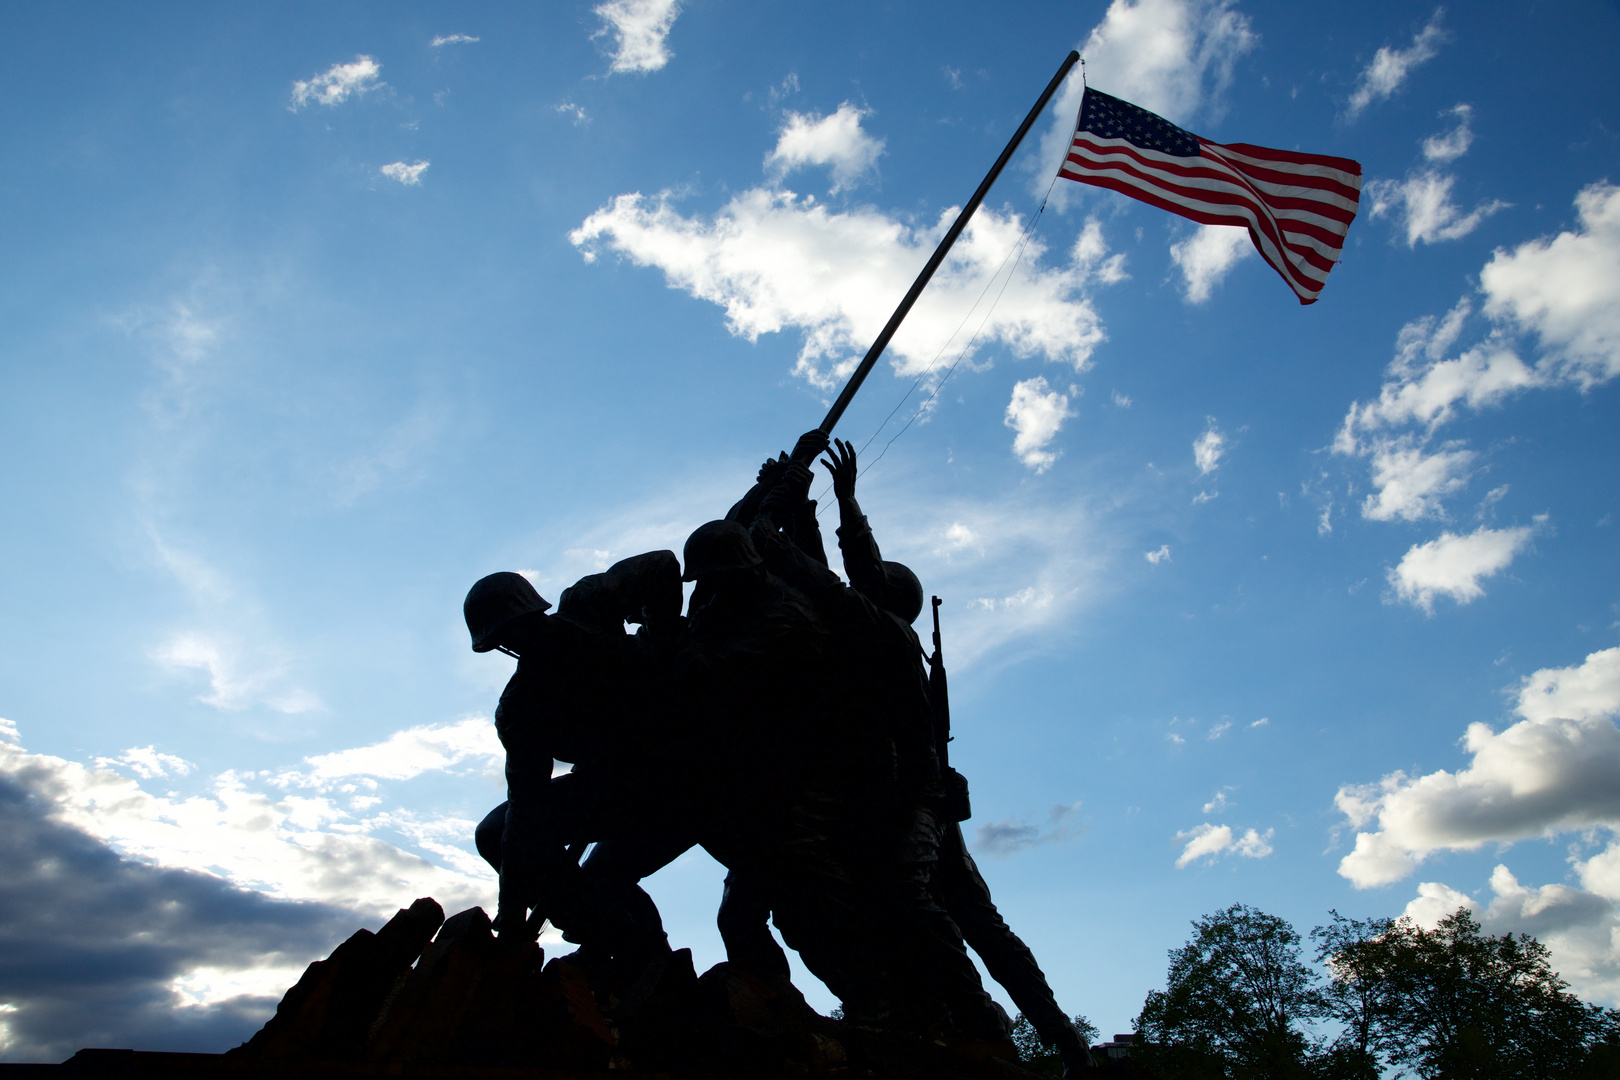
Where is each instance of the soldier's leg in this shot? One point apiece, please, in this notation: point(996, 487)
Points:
point(487, 836)
point(964, 894)
point(745, 912)
point(942, 966)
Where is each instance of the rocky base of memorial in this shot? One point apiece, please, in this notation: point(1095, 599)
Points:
point(430, 991)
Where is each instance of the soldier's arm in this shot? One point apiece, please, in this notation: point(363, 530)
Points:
point(863, 562)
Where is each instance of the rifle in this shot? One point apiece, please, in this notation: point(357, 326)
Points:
point(939, 697)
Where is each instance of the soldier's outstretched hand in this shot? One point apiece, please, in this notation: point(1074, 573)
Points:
point(810, 444)
point(843, 469)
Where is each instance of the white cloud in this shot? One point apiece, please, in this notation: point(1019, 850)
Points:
point(1218, 803)
point(452, 39)
point(1216, 731)
point(1451, 145)
point(1172, 57)
point(1411, 481)
point(1453, 565)
point(1579, 926)
point(774, 260)
point(1159, 556)
point(568, 108)
point(640, 29)
point(1390, 67)
point(338, 83)
point(1206, 841)
point(1208, 449)
point(1207, 255)
point(406, 754)
point(1036, 413)
point(148, 762)
point(409, 175)
point(238, 675)
point(1423, 200)
point(1573, 693)
point(1121, 400)
point(999, 839)
point(1544, 775)
point(1567, 291)
point(288, 847)
point(836, 140)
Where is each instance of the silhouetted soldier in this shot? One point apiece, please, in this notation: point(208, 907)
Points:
point(882, 713)
point(956, 879)
point(582, 693)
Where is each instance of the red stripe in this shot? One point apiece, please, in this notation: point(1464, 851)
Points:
point(1298, 279)
point(1266, 153)
point(1216, 168)
point(1326, 185)
point(1236, 194)
point(1306, 294)
point(1326, 233)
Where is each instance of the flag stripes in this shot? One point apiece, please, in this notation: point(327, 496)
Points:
point(1297, 207)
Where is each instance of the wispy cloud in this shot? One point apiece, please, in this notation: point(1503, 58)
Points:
point(338, 83)
point(1208, 841)
point(1001, 839)
point(409, 175)
point(1209, 448)
point(451, 39)
point(1390, 67)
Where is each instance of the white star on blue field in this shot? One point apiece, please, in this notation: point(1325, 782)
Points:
point(310, 316)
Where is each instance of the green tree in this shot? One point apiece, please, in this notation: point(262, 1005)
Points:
point(1044, 1055)
point(1357, 996)
point(1454, 1003)
point(1237, 1000)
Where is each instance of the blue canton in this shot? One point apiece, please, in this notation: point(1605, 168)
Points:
point(1110, 118)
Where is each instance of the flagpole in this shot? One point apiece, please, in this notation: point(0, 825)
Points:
point(882, 342)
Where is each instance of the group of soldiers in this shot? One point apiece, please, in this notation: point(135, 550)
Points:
point(789, 723)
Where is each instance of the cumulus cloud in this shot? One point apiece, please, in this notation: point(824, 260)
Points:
point(1000, 839)
point(338, 83)
point(406, 754)
point(1159, 556)
point(1564, 290)
point(291, 847)
point(1544, 775)
point(1036, 413)
point(1391, 67)
point(1579, 926)
point(104, 950)
point(452, 39)
point(1208, 841)
point(836, 140)
point(1453, 565)
point(409, 175)
point(1208, 449)
point(774, 260)
point(1207, 255)
point(640, 31)
point(1172, 57)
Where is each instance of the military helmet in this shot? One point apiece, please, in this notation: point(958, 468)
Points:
point(496, 600)
point(903, 593)
point(718, 545)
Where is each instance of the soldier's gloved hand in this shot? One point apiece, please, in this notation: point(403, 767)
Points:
point(842, 467)
point(810, 444)
point(770, 471)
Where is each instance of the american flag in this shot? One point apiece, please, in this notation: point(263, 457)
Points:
point(1297, 207)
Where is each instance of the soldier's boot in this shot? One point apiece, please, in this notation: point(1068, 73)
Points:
point(1077, 1059)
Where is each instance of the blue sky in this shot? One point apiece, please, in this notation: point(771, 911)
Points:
point(311, 316)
